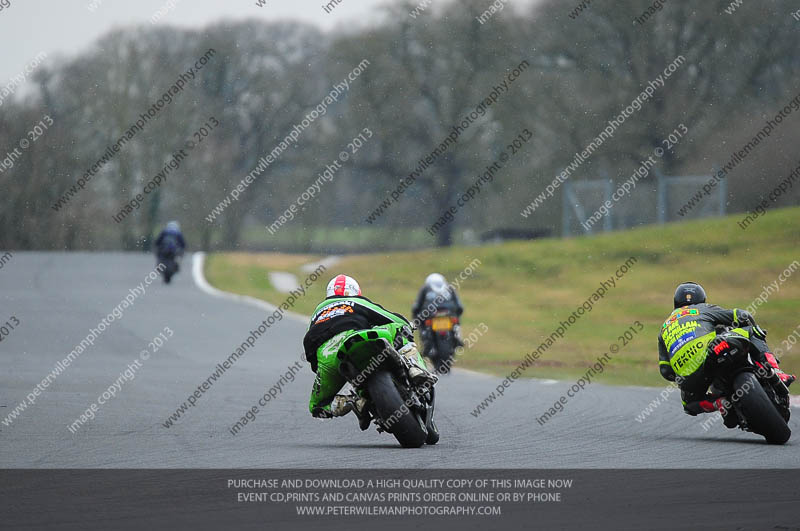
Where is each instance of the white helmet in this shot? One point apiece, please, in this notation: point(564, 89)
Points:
point(436, 282)
point(343, 286)
point(173, 226)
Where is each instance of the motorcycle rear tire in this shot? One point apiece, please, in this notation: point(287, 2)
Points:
point(433, 433)
point(407, 427)
point(761, 414)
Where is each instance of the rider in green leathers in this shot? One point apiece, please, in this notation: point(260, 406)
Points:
point(343, 311)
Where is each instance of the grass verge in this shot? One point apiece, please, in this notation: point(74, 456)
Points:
point(522, 290)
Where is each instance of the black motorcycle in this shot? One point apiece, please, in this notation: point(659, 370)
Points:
point(752, 392)
point(378, 373)
point(440, 340)
point(169, 260)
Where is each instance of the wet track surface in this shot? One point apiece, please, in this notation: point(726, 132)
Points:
point(58, 298)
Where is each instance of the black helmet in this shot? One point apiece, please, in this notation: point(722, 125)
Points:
point(689, 293)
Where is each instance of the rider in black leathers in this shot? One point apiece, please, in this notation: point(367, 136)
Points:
point(435, 294)
point(170, 242)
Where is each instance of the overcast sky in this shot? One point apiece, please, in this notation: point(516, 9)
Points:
point(67, 27)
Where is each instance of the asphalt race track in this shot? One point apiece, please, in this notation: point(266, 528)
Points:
point(57, 298)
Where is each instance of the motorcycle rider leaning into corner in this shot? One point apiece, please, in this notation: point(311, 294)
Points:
point(345, 310)
point(436, 293)
point(694, 324)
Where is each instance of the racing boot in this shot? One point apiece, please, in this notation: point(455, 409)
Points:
point(418, 375)
point(457, 335)
point(360, 409)
point(711, 405)
point(724, 407)
point(787, 379)
point(342, 405)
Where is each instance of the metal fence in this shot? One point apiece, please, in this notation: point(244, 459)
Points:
point(656, 199)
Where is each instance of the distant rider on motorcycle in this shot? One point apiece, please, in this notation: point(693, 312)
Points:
point(436, 294)
point(343, 311)
point(686, 335)
point(170, 243)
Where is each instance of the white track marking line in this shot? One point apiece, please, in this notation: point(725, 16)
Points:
point(283, 281)
point(198, 259)
point(473, 373)
point(287, 282)
point(328, 261)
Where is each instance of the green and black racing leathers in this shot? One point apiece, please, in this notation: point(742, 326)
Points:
point(332, 320)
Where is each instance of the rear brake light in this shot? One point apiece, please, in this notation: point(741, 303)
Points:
point(722, 346)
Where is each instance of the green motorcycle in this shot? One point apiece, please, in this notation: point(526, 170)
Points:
point(379, 374)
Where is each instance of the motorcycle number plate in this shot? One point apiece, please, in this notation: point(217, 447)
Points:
point(441, 323)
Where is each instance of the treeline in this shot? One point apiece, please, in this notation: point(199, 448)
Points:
point(423, 105)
